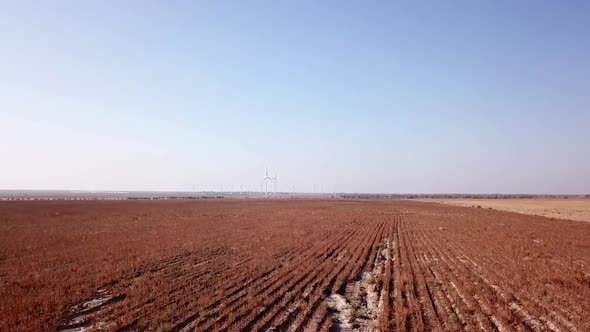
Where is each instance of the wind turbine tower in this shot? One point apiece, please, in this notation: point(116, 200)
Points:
point(272, 180)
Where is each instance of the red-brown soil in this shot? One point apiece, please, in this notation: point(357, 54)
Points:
point(289, 265)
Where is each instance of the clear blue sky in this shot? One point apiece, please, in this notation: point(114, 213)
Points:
point(367, 96)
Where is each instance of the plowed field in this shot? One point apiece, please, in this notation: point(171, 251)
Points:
point(298, 265)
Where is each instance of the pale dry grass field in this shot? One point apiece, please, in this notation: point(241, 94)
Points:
point(573, 209)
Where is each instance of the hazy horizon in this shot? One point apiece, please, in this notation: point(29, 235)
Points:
point(454, 97)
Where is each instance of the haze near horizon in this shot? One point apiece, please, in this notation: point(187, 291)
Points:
point(430, 97)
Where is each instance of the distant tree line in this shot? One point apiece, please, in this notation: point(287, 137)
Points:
point(90, 198)
point(449, 196)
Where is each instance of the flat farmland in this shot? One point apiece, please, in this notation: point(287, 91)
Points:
point(288, 265)
point(572, 209)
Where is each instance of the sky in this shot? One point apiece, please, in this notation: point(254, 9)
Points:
point(344, 96)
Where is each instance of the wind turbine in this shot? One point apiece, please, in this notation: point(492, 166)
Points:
point(273, 180)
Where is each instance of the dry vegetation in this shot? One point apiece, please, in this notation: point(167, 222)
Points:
point(289, 265)
point(573, 209)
